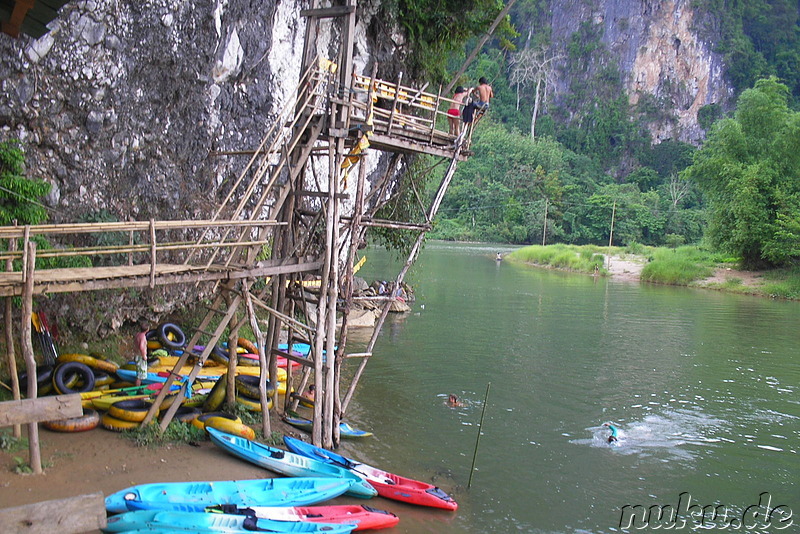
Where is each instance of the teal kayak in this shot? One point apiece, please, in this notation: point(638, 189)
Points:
point(345, 430)
point(288, 463)
point(196, 496)
point(228, 523)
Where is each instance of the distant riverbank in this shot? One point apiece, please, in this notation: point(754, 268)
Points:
point(685, 266)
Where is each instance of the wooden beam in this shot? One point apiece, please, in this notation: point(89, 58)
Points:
point(84, 513)
point(21, 8)
point(328, 12)
point(50, 408)
point(93, 279)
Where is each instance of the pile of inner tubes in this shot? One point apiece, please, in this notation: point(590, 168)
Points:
point(115, 404)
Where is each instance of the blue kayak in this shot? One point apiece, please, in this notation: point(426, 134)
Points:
point(215, 522)
point(345, 430)
point(196, 496)
point(288, 463)
point(388, 484)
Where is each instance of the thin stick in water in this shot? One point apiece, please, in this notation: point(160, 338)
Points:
point(478, 440)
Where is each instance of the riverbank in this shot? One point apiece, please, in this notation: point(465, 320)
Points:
point(686, 266)
point(629, 267)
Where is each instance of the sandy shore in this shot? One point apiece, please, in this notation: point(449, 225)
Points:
point(629, 268)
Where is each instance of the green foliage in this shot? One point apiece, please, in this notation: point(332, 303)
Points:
point(708, 115)
point(8, 443)
point(19, 195)
point(437, 27)
point(176, 432)
point(749, 170)
point(404, 206)
point(784, 284)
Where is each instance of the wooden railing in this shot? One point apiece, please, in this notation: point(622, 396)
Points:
point(145, 238)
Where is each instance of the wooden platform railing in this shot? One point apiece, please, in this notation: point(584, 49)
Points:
point(143, 238)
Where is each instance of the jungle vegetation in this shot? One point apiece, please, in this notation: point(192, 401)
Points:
point(591, 159)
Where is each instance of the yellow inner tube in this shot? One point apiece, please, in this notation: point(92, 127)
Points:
point(95, 363)
point(134, 410)
point(89, 420)
point(200, 420)
point(231, 427)
point(110, 422)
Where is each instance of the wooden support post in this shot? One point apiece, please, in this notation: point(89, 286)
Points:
point(152, 254)
point(394, 103)
point(14, 23)
point(233, 359)
point(11, 356)
point(27, 352)
point(262, 358)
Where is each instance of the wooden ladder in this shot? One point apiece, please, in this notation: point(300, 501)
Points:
point(221, 311)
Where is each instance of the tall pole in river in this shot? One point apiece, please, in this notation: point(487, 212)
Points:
point(478, 440)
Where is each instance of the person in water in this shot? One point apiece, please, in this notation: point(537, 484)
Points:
point(613, 437)
point(453, 401)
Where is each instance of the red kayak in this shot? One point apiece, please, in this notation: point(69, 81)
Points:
point(363, 517)
point(282, 362)
point(388, 484)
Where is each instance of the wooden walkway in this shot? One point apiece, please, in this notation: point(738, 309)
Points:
point(118, 277)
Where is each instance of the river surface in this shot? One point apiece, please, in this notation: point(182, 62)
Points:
point(702, 385)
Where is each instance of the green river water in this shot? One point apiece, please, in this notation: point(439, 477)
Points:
point(702, 385)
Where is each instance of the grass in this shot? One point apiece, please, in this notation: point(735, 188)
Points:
point(783, 284)
point(680, 266)
point(582, 259)
point(176, 432)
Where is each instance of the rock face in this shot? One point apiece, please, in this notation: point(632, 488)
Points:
point(662, 48)
point(124, 106)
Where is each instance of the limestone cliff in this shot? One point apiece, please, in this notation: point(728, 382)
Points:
point(125, 105)
point(660, 47)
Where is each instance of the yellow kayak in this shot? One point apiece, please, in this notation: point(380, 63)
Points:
point(167, 363)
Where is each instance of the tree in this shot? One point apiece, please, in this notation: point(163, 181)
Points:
point(19, 195)
point(534, 67)
point(749, 171)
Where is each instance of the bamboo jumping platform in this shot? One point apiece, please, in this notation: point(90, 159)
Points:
point(279, 207)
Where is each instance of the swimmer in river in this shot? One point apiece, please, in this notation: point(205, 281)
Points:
point(453, 401)
point(613, 437)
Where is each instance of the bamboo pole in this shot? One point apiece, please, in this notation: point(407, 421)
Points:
point(266, 429)
point(27, 353)
point(544, 226)
point(152, 254)
point(10, 355)
point(480, 431)
point(611, 233)
point(233, 358)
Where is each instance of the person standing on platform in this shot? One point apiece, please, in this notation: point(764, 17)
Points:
point(454, 113)
point(141, 357)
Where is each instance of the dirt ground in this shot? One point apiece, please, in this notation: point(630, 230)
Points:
point(103, 461)
point(629, 268)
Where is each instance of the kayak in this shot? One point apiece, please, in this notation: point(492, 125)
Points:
point(388, 484)
point(345, 430)
point(288, 463)
point(211, 368)
point(364, 517)
point(196, 496)
point(229, 523)
point(206, 375)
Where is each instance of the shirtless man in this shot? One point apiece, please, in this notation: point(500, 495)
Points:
point(485, 94)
